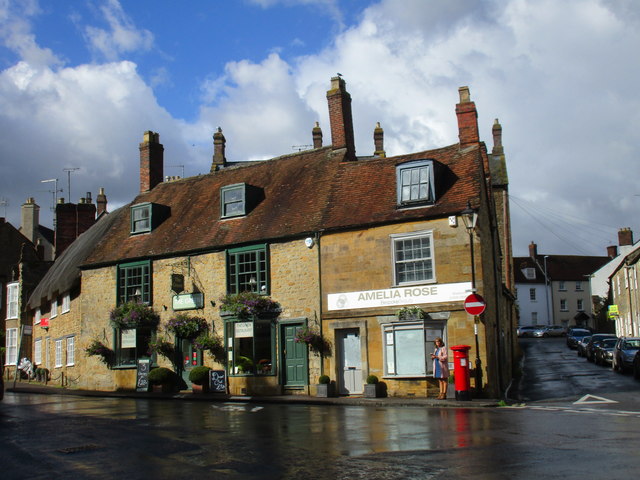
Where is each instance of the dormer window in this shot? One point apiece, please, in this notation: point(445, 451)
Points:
point(415, 182)
point(529, 273)
point(233, 200)
point(141, 218)
point(147, 216)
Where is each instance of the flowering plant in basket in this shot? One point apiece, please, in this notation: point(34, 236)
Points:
point(185, 326)
point(99, 349)
point(313, 339)
point(246, 304)
point(134, 315)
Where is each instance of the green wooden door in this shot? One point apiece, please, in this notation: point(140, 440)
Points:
point(294, 356)
point(189, 358)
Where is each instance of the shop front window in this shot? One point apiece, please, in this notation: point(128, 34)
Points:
point(250, 347)
point(407, 348)
point(131, 344)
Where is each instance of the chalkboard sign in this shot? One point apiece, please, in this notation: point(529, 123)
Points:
point(218, 381)
point(142, 377)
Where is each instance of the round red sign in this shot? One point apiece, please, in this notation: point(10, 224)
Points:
point(474, 304)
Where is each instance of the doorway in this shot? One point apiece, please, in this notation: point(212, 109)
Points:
point(294, 357)
point(350, 361)
point(189, 357)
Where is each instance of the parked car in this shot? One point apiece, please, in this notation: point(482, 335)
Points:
point(624, 352)
point(636, 365)
point(603, 351)
point(595, 338)
point(527, 330)
point(554, 331)
point(574, 335)
point(582, 346)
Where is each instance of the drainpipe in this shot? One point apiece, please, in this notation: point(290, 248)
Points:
point(317, 240)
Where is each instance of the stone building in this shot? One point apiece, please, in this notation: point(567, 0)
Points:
point(341, 242)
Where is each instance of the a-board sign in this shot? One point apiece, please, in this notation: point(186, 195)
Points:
point(142, 377)
point(218, 381)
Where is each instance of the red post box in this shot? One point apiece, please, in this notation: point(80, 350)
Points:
point(461, 371)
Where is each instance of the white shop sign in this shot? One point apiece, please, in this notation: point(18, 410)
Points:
point(128, 338)
point(243, 329)
point(410, 295)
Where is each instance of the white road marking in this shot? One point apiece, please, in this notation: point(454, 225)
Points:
point(593, 399)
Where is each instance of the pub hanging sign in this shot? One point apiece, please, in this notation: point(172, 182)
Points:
point(188, 301)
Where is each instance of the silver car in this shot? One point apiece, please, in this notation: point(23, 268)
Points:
point(550, 331)
point(623, 353)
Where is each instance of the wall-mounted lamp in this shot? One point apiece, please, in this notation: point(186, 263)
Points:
point(309, 242)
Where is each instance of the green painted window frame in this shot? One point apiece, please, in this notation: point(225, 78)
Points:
point(241, 267)
point(143, 337)
point(142, 224)
point(232, 346)
point(233, 207)
point(415, 183)
point(127, 281)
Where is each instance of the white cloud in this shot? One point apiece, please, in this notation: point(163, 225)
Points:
point(121, 37)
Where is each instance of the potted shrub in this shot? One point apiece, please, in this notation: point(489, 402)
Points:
point(372, 387)
point(163, 379)
point(325, 388)
point(199, 377)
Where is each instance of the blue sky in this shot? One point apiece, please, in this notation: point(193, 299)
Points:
point(80, 82)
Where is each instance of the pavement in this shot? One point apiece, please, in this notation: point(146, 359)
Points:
point(353, 400)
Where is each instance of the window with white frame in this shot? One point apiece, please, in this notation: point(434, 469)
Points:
point(70, 351)
point(66, 303)
point(37, 317)
point(415, 182)
point(580, 304)
point(37, 351)
point(11, 344)
point(532, 294)
point(407, 348)
point(54, 308)
point(12, 300)
point(578, 286)
point(58, 353)
point(563, 305)
point(529, 273)
point(561, 285)
point(413, 258)
point(534, 318)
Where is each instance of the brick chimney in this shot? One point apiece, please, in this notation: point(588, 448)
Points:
point(625, 236)
point(612, 251)
point(30, 213)
point(71, 221)
point(467, 119)
point(151, 161)
point(101, 201)
point(219, 146)
point(340, 118)
point(378, 141)
point(533, 250)
point(316, 133)
point(497, 138)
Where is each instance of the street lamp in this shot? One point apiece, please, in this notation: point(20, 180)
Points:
point(470, 218)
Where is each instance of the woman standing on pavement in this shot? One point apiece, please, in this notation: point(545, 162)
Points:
point(441, 367)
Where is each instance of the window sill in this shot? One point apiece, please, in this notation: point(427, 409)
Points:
point(405, 377)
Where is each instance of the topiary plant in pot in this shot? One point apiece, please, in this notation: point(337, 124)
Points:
point(163, 379)
point(199, 377)
point(325, 388)
point(372, 388)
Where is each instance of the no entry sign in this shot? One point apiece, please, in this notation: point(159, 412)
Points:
point(474, 304)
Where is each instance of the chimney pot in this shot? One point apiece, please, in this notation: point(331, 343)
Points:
point(101, 202)
point(625, 237)
point(378, 141)
point(151, 161)
point(219, 147)
point(316, 133)
point(340, 118)
point(467, 119)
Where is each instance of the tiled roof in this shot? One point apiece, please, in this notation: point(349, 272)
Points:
point(559, 267)
point(305, 192)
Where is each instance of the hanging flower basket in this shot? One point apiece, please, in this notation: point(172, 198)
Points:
point(316, 342)
point(410, 313)
point(98, 349)
point(134, 315)
point(163, 347)
point(249, 304)
point(185, 326)
point(213, 345)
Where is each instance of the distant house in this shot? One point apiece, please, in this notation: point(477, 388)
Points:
point(555, 289)
point(366, 256)
point(21, 268)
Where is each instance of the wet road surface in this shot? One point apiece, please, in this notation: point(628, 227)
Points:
point(62, 436)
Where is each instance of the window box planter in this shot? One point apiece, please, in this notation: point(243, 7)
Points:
point(326, 390)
